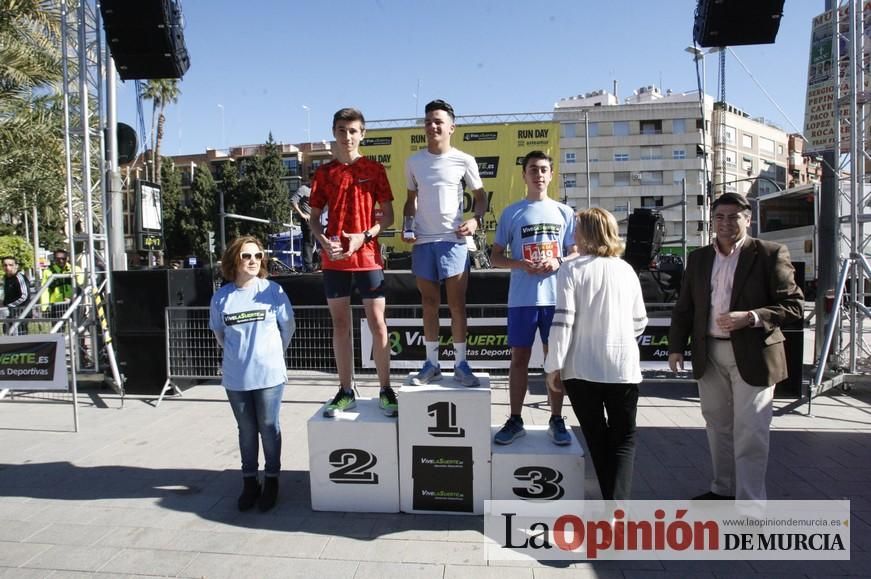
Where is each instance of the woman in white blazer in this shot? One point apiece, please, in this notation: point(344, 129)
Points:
point(593, 348)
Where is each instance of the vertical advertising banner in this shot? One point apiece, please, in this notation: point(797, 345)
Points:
point(499, 149)
point(819, 116)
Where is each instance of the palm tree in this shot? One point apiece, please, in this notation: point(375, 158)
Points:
point(31, 128)
point(160, 92)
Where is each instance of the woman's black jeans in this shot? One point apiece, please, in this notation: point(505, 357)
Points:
point(607, 416)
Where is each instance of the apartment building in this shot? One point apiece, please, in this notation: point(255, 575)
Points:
point(637, 152)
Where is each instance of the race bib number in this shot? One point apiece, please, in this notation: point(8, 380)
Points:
point(538, 251)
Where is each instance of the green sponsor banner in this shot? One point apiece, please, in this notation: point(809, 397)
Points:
point(33, 362)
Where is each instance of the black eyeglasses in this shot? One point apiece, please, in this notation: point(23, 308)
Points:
point(246, 256)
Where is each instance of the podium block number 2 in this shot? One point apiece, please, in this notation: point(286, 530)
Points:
point(445, 414)
point(543, 483)
point(353, 466)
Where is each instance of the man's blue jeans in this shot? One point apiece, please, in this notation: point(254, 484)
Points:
point(256, 413)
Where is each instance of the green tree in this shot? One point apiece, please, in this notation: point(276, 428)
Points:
point(265, 194)
point(173, 210)
point(160, 92)
point(19, 248)
point(199, 212)
point(228, 174)
point(31, 121)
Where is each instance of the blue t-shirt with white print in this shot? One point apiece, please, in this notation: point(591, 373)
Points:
point(535, 230)
point(254, 324)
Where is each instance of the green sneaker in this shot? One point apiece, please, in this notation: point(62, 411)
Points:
point(387, 401)
point(342, 402)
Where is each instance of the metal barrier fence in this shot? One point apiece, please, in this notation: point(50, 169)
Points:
point(193, 353)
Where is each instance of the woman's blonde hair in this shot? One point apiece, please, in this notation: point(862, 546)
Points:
point(230, 259)
point(597, 233)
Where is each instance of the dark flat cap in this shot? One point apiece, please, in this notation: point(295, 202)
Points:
point(731, 199)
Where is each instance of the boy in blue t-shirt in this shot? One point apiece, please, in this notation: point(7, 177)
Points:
point(540, 233)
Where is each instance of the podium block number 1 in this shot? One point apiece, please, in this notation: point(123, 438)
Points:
point(354, 465)
point(445, 414)
point(543, 483)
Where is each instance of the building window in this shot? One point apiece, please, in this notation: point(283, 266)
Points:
point(678, 176)
point(730, 134)
point(621, 179)
point(700, 226)
point(747, 141)
point(766, 146)
point(594, 180)
point(678, 126)
point(679, 154)
point(570, 180)
point(621, 156)
point(594, 129)
point(292, 166)
point(747, 165)
point(570, 157)
point(651, 153)
point(731, 158)
point(651, 177)
point(651, 201)
point(621, 128)
point(568, 130)
point(653, 127)
point(780, 150)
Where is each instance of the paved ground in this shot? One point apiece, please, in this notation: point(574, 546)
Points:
point(144, 491)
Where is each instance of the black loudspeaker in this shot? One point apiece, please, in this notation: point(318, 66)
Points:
point(643, 237)
point(127, 144)
point(794, 347)
point(737, 22)
point(146, 38)
point(142, 360)
point(139, 297)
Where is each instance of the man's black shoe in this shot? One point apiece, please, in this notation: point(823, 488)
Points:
point(712, 496)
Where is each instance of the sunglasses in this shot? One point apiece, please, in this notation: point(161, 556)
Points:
point(246, 256)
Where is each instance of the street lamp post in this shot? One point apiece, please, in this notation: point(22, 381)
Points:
point(308, 123)
point(223, 135)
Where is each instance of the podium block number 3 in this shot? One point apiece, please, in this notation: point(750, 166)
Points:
point(353, 466)
point(445, 414)
point(543, 483)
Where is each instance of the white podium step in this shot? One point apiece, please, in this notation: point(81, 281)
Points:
point(534, 468)
point(444, 447)
point(353, 460)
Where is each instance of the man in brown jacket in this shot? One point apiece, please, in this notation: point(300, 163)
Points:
point(736, 293)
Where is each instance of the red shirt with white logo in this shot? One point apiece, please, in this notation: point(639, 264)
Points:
point(350, 192)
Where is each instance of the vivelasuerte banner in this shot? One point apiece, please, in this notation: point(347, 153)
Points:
point(36, 362)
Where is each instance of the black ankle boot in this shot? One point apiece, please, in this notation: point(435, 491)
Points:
point(250, 492)
point(269, 495)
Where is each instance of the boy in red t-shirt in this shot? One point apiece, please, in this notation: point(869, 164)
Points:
point(350, 186)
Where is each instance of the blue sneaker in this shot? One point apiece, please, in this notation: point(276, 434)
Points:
point(513, 429)
point(428, 373)
point(556, 429)
point(463, 375)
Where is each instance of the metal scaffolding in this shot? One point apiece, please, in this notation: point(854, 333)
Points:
point(845, 352)
point(84, 130)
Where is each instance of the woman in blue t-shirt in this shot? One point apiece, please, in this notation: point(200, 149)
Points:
point(253, 321)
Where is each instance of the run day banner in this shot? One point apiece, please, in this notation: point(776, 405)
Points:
point(486, 344)
point(35, 362)
point(499, 149)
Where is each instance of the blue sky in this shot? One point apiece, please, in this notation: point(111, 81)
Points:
point(263, 60)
